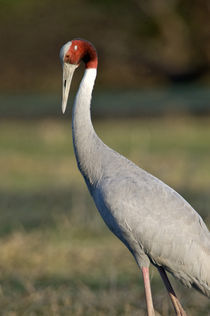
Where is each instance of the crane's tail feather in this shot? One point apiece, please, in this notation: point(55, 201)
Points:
point(201, 286)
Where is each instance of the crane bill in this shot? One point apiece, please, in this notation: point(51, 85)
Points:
point(68, 71)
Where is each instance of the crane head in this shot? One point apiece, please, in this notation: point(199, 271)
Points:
point(71, 54)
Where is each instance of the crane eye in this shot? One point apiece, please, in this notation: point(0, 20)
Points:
point(75, 47)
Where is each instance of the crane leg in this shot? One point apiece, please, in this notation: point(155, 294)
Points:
point(148, 293)
point(177, 305)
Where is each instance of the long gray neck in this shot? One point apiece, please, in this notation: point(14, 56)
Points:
point(86, 143)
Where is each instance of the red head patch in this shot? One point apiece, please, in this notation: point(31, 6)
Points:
point(81, 50)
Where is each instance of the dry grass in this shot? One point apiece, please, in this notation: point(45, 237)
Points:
point(57, 256)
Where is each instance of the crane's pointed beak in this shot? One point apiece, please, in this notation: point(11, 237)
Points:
point(68, 71)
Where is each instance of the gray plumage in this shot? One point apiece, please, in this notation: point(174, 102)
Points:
point(155, 223)
point(150, 218)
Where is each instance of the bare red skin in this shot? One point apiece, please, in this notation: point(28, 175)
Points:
point(85, 52)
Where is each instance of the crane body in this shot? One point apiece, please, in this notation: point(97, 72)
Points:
point(155, 223)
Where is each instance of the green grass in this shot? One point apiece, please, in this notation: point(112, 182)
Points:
point(57, 256)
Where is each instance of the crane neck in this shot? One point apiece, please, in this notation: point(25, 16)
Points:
point(81, 110)
point(84, 136)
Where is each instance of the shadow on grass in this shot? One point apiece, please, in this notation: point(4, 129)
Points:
point(29, 211)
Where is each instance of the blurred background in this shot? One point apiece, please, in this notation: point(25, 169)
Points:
point(151, 103)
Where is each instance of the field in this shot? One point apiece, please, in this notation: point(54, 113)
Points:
point(57, 256)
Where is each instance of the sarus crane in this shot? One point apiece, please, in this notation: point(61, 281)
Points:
point(155, 223)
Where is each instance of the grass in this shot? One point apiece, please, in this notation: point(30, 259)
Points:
point(57, 256)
